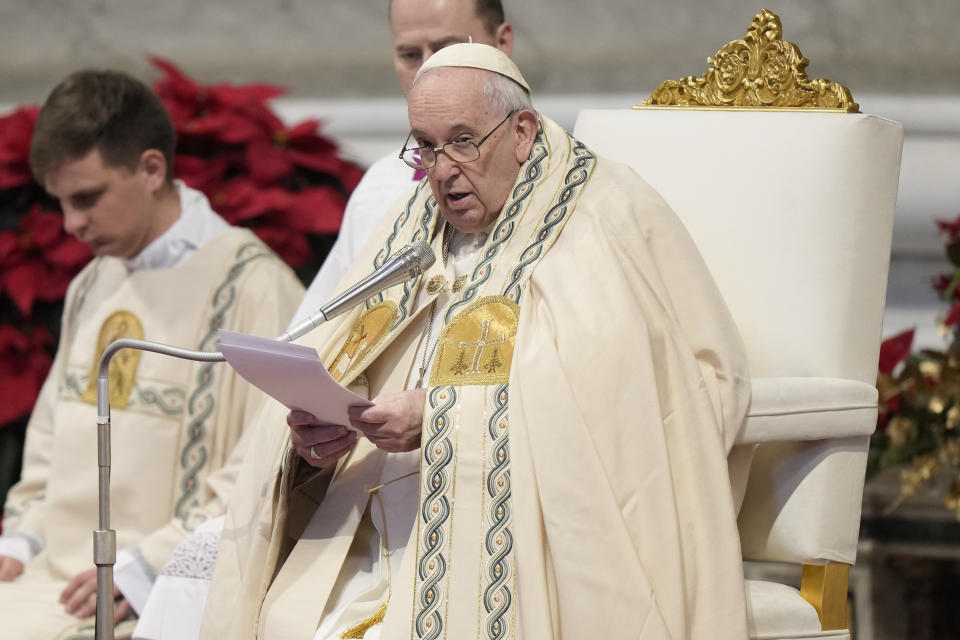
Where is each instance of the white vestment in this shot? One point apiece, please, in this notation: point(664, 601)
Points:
point(586, 390)
point(174, 422)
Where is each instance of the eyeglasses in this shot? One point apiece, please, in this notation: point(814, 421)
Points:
point(458, 150)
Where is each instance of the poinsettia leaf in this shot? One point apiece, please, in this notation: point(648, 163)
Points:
point(950, 227)
point(69, 254)
point(175, 83)
point(18, 394)
point(257, 111)
point(15, 175)
point(953, 251)
point(267, 163)
point(305, 131)
point(291, 246)
point(317, 210)
point(238, 95)
point(16, 130)
point(20, 282)
point(895, 350)
point(11, 248)
point(24, 364)
point(200, 173)
point(42, 227)
point(12, 340)
point(53, 284)
point(953, 316)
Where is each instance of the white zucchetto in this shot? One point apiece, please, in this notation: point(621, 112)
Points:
point(477, 56)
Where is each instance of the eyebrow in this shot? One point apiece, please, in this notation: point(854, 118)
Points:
point(86, 193)
point(417, 133)
point(433, 44)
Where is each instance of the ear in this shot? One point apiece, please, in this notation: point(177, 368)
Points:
point(503, 38)
point(526, 129)
point(153, 170)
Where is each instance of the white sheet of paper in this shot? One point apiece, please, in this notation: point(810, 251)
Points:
point(292, 374)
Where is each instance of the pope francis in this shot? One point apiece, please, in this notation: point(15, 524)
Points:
point(553, 404)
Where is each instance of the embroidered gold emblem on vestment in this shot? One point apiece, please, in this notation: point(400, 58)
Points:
point(367, 333)
point(476, 348)
point(123, 365)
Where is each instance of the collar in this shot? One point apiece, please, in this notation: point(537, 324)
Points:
point(197, 225)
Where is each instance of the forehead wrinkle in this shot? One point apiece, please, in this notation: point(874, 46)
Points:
point(452, 130)
point(449, 90)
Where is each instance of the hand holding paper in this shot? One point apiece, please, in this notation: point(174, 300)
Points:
point(292, 374)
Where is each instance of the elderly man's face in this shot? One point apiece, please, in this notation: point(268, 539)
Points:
point(448, 104)
point(420, 28)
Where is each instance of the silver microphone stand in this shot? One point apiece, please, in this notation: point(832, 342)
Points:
point(408, 262)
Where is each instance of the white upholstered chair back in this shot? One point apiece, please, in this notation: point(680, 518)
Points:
point(793, 213)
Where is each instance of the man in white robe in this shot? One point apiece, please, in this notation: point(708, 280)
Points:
point(167, 269)
point(553, 404)
point(418, 28)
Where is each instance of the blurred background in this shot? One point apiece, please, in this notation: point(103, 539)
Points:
point(901, 60)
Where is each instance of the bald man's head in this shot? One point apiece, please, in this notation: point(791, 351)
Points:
point(420, 28)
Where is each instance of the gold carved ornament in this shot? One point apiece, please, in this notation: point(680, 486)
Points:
point(762, 71)
point(123, 365)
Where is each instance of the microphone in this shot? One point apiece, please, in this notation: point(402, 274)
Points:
point(408, 262)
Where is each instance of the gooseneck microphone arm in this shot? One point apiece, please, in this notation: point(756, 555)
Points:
point(408, 262)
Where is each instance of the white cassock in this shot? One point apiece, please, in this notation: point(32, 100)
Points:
point(174, 422)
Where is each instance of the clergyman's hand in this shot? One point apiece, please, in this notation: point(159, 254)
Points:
point(321, 445)
point(10, 568)
point(80, 597)
point(394, 420)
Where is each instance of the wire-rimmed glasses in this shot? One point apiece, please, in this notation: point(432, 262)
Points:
point(456, 150)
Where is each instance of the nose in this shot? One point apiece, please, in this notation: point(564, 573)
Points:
point(445, 167)
point(73, 221)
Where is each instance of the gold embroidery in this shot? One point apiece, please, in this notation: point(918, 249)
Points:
point(476, 348)
point(370, 329)
point(123, 366)
point(459, 283)
point(436, 284)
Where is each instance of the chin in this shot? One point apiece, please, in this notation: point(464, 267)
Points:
point(470, 221)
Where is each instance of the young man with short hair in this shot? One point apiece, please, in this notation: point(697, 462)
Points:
point(167, 269)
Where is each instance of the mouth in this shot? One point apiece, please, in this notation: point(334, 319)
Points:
point(457, 199)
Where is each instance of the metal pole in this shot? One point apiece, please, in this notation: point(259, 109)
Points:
point(104, 538)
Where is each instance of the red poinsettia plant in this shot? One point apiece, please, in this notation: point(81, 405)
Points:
point(919, 417)
point(287, 183)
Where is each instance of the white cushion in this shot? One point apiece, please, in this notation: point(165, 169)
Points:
point(803, 500)
point(793, 213)
point(777, 612)
point(783, 409)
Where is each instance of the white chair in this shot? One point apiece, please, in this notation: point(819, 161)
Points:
point(793, 213)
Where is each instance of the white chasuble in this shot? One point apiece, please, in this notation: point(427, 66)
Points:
point(174, 421)
point(491, 553)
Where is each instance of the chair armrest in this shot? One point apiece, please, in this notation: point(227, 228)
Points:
point(798, 409)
